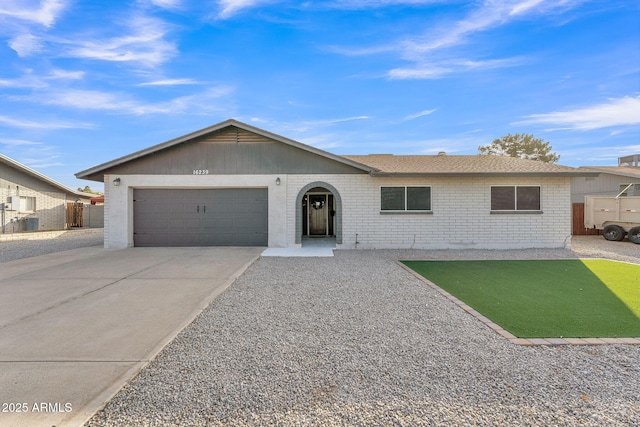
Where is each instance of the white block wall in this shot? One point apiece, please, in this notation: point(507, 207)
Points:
point(118, 213)
point(50, 210)
point(461, 211)
point(461, 214)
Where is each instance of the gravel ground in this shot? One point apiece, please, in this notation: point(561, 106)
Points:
point(17, 249)
point(356, 340)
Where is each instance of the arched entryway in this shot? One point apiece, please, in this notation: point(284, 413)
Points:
point(318, 212)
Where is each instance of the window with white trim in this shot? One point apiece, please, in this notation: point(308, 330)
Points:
point(405, 199)
point(515, 198)
point(27, 204)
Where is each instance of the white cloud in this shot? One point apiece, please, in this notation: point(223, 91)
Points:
point(450, 66)
point(617, 112)
point(29, 80)
point(420, 114)
point(229, 8)
point(52, 125)
point(598, 155)
point(490, 14)
point(84, 100)
point(25, 44)
point(524, 6)
point(43, 12)
point(17, 142)
point(167, 4)
point(232, 7)
point(58, 74)
point(23, 82)
point(431, 53)
point(305, 125)
point(200, 103)
point(170, 82)
point(311, 132)
point(420, 72)
point(144, 44)
point(369, 4)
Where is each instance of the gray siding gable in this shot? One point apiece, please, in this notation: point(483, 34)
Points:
point(231, 149)
point(10, 176)
point(14, 173)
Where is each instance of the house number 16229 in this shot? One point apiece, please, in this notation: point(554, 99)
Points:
point(201, 171)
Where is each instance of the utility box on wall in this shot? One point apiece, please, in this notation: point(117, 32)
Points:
point(13, 203)
point(33, 224)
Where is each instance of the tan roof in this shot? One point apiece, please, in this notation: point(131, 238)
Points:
point(463, 165)
point(628, 171)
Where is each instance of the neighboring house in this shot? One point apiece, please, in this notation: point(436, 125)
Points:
point(30, 201)
point(237, 185)
point(611, 181)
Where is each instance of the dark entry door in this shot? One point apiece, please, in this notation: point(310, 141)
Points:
point(200, 217)
point(318, 211)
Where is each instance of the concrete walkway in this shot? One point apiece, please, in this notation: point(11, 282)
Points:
point(311, 247)
point(75, 326)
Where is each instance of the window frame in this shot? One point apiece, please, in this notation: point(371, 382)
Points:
point(406, 209)
point(516, 208)
point(25, 202)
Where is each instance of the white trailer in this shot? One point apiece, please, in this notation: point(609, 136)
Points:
point(616, 216)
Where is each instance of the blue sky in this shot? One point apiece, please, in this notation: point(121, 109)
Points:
point(84, 82)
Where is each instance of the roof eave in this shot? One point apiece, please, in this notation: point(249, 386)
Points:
point(612, 172)
point(482, 174)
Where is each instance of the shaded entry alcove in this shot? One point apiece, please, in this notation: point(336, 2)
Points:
point(318, 212)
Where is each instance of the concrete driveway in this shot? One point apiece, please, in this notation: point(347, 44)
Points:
point(75, 326)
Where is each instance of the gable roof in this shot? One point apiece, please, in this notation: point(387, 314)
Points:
point(91, 173)
point(28, 171)
point(466, 165)
point(374, 164)
point(626, 171)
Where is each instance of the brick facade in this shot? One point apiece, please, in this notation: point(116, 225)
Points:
point(46, 207)
point(461, 214)
point(49, 209)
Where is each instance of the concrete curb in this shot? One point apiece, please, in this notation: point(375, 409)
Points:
point(47, 235)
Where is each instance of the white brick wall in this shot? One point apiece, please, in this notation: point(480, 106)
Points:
point(461, 214)
point(50, 210)
point(461, 211)
point(107, 211)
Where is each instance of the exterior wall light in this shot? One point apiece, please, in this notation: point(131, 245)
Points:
point(278, 181)
point(116, 182)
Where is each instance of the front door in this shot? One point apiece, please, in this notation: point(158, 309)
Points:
point(318, 214)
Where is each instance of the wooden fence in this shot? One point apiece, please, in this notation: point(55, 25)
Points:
point(577, 222)
point(74, 215)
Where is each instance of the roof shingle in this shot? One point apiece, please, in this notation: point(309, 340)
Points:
point(462, 165)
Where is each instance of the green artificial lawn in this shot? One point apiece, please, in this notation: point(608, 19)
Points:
point(589, 298)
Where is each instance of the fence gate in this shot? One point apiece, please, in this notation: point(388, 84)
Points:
point(577, 222)
point(74, 215)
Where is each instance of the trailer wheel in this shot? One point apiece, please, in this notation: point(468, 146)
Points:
point(634, 235)
point(614, 233)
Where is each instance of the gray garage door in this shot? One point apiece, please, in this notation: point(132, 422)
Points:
point(206, 217)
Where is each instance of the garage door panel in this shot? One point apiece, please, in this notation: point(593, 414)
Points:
point(244, 223)
point(160, 223)
point(201, 217)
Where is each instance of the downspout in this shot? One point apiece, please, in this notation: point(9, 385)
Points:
point(4, 226)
